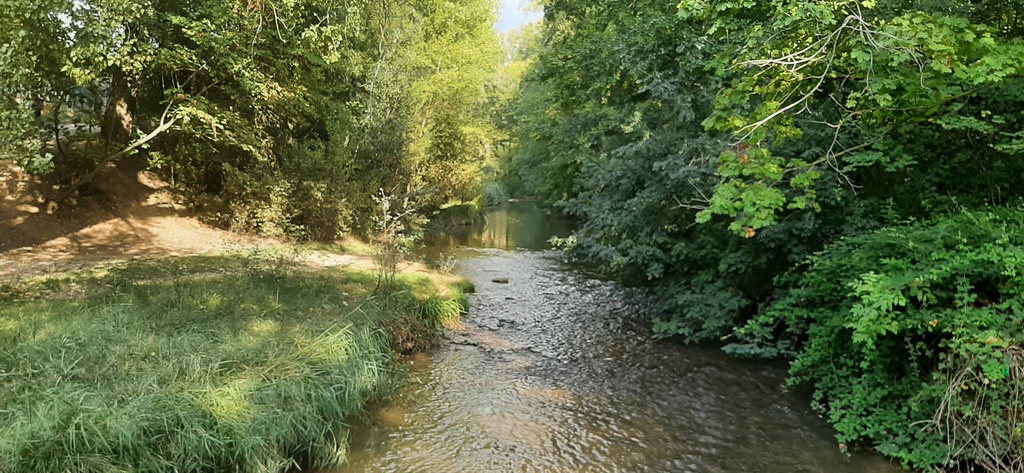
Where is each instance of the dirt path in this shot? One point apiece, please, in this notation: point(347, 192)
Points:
point(126, 213)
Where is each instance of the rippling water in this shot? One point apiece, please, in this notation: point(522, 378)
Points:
point(557, 372)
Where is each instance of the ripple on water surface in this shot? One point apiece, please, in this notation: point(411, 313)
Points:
point(556, 372)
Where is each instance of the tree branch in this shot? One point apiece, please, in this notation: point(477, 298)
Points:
point(164, 126)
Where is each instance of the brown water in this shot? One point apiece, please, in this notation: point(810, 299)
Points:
point(557, 372)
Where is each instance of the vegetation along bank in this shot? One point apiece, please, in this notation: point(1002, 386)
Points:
point(300, 120)
point(252, 361)
point(834, 182)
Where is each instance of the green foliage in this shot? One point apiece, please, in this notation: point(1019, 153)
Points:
point(247, 363)
point(437, 311)
point(495, 193)
point(609, 128)
point(278, 118)
point(395, 229)
point(20, 137)
point(908, 335)
point(669, 130)
point(901, 90)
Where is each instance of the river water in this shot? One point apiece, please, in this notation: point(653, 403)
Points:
point(557, 372)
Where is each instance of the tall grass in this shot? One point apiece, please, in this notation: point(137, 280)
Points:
point(192, 365)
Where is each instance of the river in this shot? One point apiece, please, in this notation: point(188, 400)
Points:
point(556, 371)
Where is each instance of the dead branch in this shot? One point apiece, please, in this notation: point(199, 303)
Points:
point(164, 126)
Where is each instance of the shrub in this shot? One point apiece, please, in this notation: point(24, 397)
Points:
point(494, 193)
point(911, 337)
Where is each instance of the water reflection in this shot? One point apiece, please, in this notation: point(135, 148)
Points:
point(517, 225)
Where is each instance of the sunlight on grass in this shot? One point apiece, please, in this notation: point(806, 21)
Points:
point(264, 327)
point(229, 402)
point(200, 364)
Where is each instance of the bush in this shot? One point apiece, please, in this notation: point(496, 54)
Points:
point(912, 337)
point(495, 194)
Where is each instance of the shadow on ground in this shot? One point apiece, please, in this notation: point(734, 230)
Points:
point(126, 212)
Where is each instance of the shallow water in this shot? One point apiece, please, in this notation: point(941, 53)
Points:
point(557, 372)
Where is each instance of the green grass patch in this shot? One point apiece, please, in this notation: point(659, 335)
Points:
point(201, 364)
point(346, 245)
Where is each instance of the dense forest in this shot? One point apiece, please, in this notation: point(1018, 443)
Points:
point(835, 182)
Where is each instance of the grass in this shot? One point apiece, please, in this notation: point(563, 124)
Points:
point(201, 364)
point(346, 245)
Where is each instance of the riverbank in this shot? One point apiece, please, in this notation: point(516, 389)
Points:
point(247, 361)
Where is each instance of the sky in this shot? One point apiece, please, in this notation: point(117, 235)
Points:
point(512, 16)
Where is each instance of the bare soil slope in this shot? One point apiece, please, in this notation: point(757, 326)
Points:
point(126, 212)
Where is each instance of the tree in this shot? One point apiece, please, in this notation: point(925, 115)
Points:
point(277, 117)
point(883, 86)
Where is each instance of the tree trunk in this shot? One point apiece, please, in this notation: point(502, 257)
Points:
point(164, 126)
point(56, 126)
point(120, 111)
